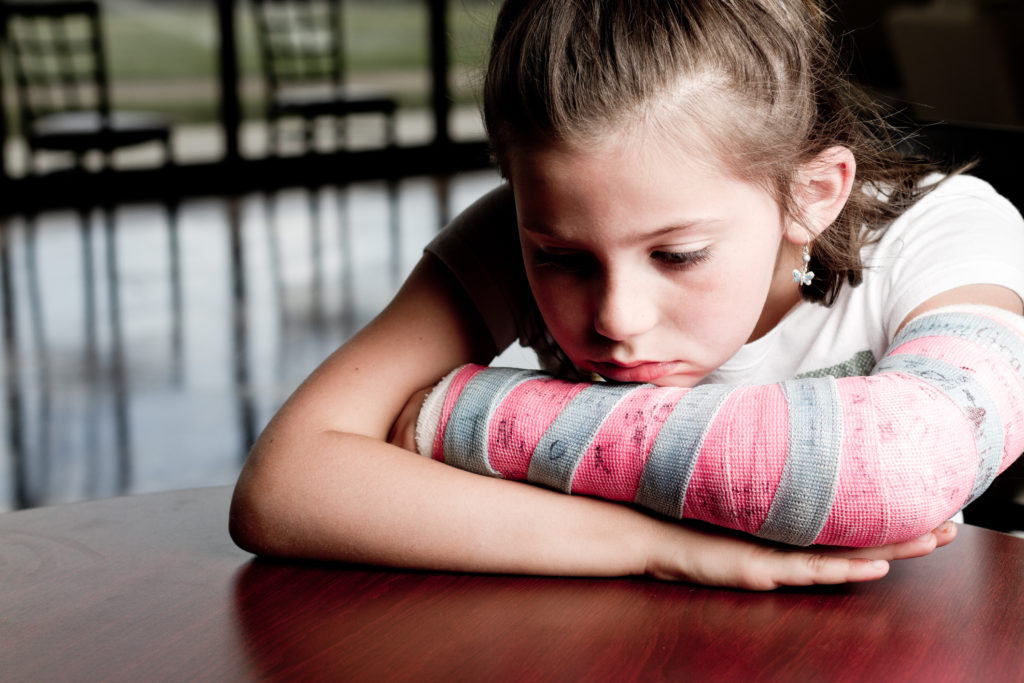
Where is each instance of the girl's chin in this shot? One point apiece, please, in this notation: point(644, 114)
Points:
point(683, 381)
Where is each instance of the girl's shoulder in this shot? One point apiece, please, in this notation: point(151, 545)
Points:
point(962, 193)
point(480, 247)
point(955, 212)
point(962, 232)
point(493, 212)
point(482, 235)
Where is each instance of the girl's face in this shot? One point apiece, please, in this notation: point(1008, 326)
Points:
point(648, 263)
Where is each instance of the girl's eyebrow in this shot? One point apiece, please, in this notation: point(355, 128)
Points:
point(678, 227)
point(548, 231)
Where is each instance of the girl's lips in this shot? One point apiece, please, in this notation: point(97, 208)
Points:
point(636, 372)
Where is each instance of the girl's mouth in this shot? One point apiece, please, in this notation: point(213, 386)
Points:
point(641, 371)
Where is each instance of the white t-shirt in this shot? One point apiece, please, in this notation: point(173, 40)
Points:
point(961, 233)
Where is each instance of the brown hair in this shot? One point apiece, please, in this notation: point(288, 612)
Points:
point(570, 71)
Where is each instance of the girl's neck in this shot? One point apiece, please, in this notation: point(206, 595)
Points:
point(784, 294)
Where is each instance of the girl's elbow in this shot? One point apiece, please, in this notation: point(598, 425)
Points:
point(256, 504)
point(247, 533)
point(251, 516)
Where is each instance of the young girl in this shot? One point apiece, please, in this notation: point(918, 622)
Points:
point(753, 310)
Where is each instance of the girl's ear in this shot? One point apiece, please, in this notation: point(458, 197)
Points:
point(820, 190)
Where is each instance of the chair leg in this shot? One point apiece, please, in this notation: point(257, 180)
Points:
point(310, 130)
point(15, 400)
point(340, 134)
point(177, 293)
point(390, 130)
point(106, 160)
point(168, 151)
point(118, 369)
point(273, 136)
point(32, 166)
point(39, 483)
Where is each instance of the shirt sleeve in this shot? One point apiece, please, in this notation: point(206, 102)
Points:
point(481, 249)
point(962, 233)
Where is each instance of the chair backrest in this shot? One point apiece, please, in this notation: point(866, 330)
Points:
point(56, 51)
point(300, 42)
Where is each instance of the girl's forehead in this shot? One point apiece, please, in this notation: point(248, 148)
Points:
point(629, 154)
point(618, 189)
point(692, 132)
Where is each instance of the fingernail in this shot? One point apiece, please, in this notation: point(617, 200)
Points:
point(879, 564)
point(945, 527)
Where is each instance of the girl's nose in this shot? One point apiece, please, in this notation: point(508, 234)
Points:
point(624, 311)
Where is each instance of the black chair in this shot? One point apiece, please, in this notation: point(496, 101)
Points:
point(59, 65)
point(303, 58)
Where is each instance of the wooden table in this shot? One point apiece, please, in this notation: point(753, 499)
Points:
point(151, 588)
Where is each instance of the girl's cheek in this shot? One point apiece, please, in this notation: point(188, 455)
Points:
point(565, 316)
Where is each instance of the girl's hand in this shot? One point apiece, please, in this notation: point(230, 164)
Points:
point(403, 432)
point(715, 557)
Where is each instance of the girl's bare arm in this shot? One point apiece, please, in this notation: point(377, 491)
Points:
point(322, 482)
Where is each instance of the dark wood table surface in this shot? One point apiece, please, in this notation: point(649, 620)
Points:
point(150, 588)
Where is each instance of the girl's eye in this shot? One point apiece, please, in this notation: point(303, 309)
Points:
point(681, 259)
point(568, 261)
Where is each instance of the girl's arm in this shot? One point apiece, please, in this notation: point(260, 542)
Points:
point(322, 482)
point(857, 461)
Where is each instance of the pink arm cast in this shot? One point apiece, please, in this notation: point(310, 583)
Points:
point(856, 461)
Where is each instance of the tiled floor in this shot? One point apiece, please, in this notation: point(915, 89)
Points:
point(146, 352)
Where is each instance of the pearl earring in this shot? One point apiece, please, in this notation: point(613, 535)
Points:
point(804, 277)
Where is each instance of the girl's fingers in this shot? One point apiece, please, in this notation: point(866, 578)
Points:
point(789, 568)
point(742, 563)
point(945, 533)
point(727, 560)
point(824, 569)
point(917, 547)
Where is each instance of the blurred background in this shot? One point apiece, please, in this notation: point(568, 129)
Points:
point(265, 181)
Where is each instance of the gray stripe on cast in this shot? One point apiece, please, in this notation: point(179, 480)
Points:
point(673, 455)
point(978, 407)
point(990, 333)
point(810, 476)
point(465, 436)
point(561, 448)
